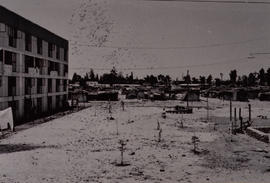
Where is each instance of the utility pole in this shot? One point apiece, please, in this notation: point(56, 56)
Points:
point(249, 112)
point(207, 108)
point(187, 89)
point(231, 110)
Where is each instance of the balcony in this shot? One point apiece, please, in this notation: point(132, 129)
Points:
point(7, 69)
point(42, 71)
point(40, 90)
point(28, 91)
point(49, 89)
point(33, 71)
point(1, 67)
point(12, 92)
point(14, 67)
point(54, 73)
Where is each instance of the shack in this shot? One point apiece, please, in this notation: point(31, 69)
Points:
point(264, 96)
point(192, 95)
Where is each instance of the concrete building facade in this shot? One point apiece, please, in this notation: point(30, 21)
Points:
point(33, 68)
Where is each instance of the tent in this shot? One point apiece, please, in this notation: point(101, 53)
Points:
point(6, 119)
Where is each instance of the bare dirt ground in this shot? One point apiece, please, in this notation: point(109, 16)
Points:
point(83, 146)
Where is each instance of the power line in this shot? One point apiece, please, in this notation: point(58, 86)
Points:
point(236, 60)
point(169, 47)
point(218, 1)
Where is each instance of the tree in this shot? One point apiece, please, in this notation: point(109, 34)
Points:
point(244, 80)
point(195, 80)
point(217, 82)
point(251, 79)
point(86, 77)
point(114, 71)
point(131, 78)
point(161, 78)
point(233, 76)
point(151, 79)
point(76, 78)
point(168, 79)
point(268, 76)
point(92, 75)
point(187, 79)
point(209, 79)
point(202, 80)
point(261, 77)
point(97, 78)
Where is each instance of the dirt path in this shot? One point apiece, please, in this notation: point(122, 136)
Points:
point(83, 147)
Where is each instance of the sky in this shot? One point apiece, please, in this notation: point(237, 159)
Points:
point(156, 37)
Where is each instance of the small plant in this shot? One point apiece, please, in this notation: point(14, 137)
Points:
point(117, 128)
point(158, 125)
point(109, 107)
point(180, 123)
point(123, 105)
point(159, 135)
point(122, 149)
point(163, 114)
point(195, 141)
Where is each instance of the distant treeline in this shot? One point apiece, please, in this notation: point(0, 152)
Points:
point(261, 78)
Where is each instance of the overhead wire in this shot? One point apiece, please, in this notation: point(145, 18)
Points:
point(168, 47)
point(224, 62)
point(218, 1)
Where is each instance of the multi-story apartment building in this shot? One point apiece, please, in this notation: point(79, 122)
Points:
point(33, 67)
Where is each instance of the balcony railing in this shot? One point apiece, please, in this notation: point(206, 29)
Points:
point(28, 91)
point(14, 67)
point(12, 92)
point(39, 89)
point(54, 73)
point(8, 69)
point(33, 71)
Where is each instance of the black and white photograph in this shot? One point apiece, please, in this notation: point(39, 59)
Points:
point(134, 91)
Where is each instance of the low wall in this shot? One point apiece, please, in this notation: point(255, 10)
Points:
point(253, 132)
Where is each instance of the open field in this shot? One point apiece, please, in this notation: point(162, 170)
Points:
point(83, 146)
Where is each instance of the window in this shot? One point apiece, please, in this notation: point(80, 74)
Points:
point(2, 27)
point(39, 46)
point(10, 58)
point(39, 105)
point(58, 85)
point(65, 84)
point(28, 86)
point(11, 86)
point(57, 67)
point(1, 80)
point(12, 37)
point(49, 85)
point(57, 52)
point(28, 42)
point(39, 85)
point(38, 63)
point(65, 69)
point(50, 50)
point(65, 54)
point(1, 55)
point(29, 62)
point(33, 82)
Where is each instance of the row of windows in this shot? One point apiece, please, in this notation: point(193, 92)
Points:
point(14, 34)
point(33, 107)
point(30, 83)
point(10, 58)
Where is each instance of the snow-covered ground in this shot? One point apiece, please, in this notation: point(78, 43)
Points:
point(83, 147)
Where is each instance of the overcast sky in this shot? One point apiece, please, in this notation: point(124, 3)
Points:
point(152, 37)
